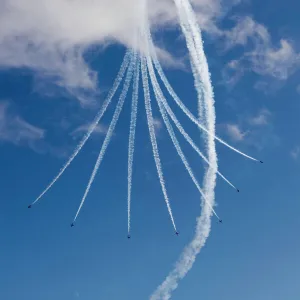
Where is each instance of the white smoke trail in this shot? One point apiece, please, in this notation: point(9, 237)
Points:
point(159, 95)
point(190, 140)
point(134, 110)
point(188, 256)
point(94, 124)
point(110, 129)
point(186, 110)
point(184, 24)
point(173, 116)
point(153, 137)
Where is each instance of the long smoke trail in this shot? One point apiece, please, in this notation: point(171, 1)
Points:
point(159, 95)
point(110, 129)
point(190, 140)
point(94, 124)
point(188, 257)
point(186, 110)
point(153, 138)
point(171, 113)
point(134, 110)
point(194, 61)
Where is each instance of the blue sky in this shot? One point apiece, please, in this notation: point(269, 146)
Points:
point(253, 53)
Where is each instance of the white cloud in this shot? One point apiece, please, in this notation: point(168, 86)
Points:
point(235, 133)
point(260, 133)
point(261, 119)
point(15, 130)
point(295, 152)
point(100, 129)
point(264, 58)
point(168, 60)
point(51, 36)
point(158, 125)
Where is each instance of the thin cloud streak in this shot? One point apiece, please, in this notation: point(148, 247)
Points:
point(14, 129)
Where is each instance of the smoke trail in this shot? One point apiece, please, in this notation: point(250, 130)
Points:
point(194, 63)
point(153, 138)
point(94, 124)
point(172, 115)
point(134, 110)
point(186, 110)
point(188, 256)
point(110, 129)
point(190, 140)
point(159, 95)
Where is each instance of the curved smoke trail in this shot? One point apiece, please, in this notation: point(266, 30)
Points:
point(188, 138)
point(187, 111)
point(173, 116)
point(159, 95)
point(189, 254)
point(110, 129)
point(153, 138)
point(94, 124)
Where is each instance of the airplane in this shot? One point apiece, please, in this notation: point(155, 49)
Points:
point(128, 236)
point(261, 162)
point(29, 206)
point(177, 233)
point(238, 190)
point(220, 221)
point(72, 225)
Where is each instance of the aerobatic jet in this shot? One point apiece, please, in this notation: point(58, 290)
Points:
point(29, 206)
point(177, 233)
point(128, 236)
point(72, 225)
point(220, 221)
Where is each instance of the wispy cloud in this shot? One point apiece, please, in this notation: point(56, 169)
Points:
point(51, 36)
point(158, 126)
point(295, 153)
point(100, 129)
point(261, 55)
point(261, 119)
point(254, 130)
point(157, 123)
point(235, 132)
point(14, 129)
point(54, 40)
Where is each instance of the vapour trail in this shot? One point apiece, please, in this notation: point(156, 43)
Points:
point(110, 129)
point(188, 256)
point(153, 137)
point(186, 110)
point(94, 124)
point(174, 118)
point(194, 62)
point(190, 140)
point(134, 110)
point(158, 95)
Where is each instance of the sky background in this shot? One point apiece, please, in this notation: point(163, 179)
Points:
point(253, 53)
